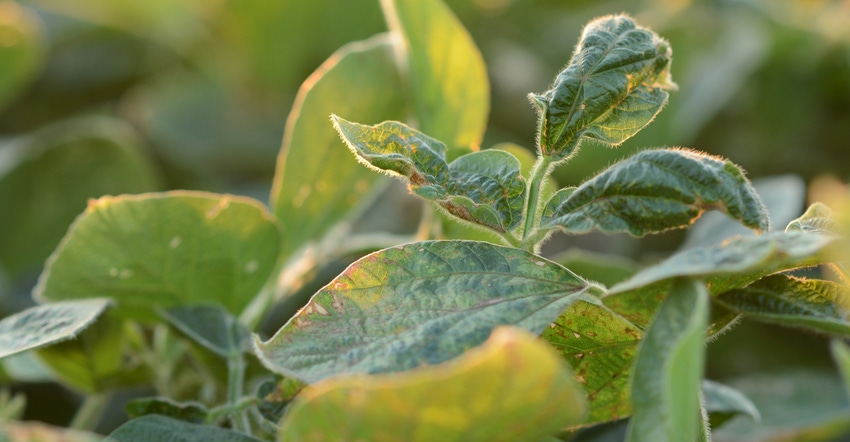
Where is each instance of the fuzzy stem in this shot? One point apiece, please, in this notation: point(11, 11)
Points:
point(235, 383)
point(532, 205)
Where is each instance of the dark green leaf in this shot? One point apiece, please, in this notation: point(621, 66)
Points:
point(159, 250)
point(669, 367)
point(653, 191)
point(165, 429)
point(422, 303)
point(723, 402)
point(818, 219)
point(47, 324)
point(211, 326)
point(316, 184)
point(483, 187)
point(818, 305)
point(614, 85)
point(185, 411)
point(600, 346)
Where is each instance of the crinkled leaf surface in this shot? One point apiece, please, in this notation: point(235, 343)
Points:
point(485, 187)
point(817, 218)
point(600, 346)
point(165, 429)
point(22, 50)
point(818, 305)
point(669, 367)
point(513, 387)
point(211, 326)
point(653, 191)
point(732, 264)
point(446, 73)
point(47, 324)
point(185, 411)
point(421, 303)
point(316, 183)
point(614, 84)
point(164, 249)
point(723, 402)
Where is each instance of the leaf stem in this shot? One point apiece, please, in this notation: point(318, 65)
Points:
point(538, 176)
point(89, 413)
point(235, 383)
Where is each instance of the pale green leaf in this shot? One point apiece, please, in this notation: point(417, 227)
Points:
point(669, 367)
point(813, 304)
point(211, 326)
point(513, 387)
point(484, 188)
point(614, 84)
point(47, 324)
point(23, 49)
point(165, 429)
point(723, 402)
point(817, 218)
point(316, 183)
point(160, 250)
point(599, 345)
point(422, 303)
point(446, 73)
point(653, 191)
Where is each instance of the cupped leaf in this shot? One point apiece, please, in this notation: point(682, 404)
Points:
point(735, 263)
point(599, 345)
point(211, 326)
point(817, 218)
point(656, 190)
point(165, 429)
point(817, 305)
point(615, 84)
point(485, 188)
point(160, 250)
point(512, 387)
point(669, 367)
point(185, 411)
point(47, 324)
point(446, 73)
point(723, 402)
point(421, 303)
point(316, 184)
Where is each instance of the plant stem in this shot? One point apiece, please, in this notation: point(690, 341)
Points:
point(538, 177)
point(89, 413)
point(235, 381)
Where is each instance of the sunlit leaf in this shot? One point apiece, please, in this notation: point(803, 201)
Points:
point(723, 402)
point(817, 218)
point(422, 303)
point(653, 191)
point(165, 429)
point(316, 182)
point(23, 49)
point(211, 326)
point(47, 324)
point(513, 387)
point(669, 367)
point(160, 250)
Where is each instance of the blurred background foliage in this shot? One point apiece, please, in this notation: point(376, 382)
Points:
point(124, 96)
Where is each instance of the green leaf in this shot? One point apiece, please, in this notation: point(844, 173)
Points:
point(316, 184)
point(273, 397)
point(817, 218)
point(446, 73)
point(53, 172)
point(669, 367)
point(185, 411)
point(483, 187)
point(421, 303)
point(512, 387)
point(599, 345)
point(817, 305)
point(653, 191)
point(23, 49)
point(732, 264)
point(40, 432)
point(165, 249)
point(723, 402)
point(47, 324)
point(211, 326)
point(614, 84)
point(165, 429)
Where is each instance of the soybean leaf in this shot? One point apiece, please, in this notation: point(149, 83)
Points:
point(421, 303)
point(653, 191)
point(211, 326)
point(185, 411)
point(47, 324)
point(447, 76)
point(599, 345)
point(723, 402)
point(735, 263)
point(23, 51)
point(33, 431)
point(273, 397)
point(166, 429)
point(164, 249)
point(512, 387)
point(316, 184)
point(483, 187)
point(615, 84)
point(669, 366)
point(53, 172)
point(817, 218)
point(841, 353)
point(817, 305)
